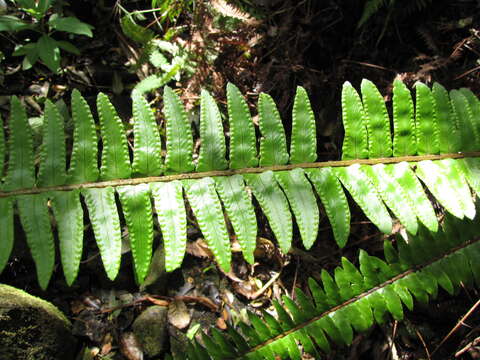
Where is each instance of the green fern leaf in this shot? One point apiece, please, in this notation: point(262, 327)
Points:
point(53, 165)
point(303, 147)
point(243, 151)
point(404, 139)
point(212, 149)
point(464, 117)
point(334, 200)
point(426, 126)
point(454, 175)
point(274, 204)
point(470, 167)
point(68, 213)
point(377, 121)
point(358, 185)
point(207, 208)
point(147, 158)
point(416, 197)
point(137, 209)
point(84, 163)
point(106, 227)
point(434, 177)
point(6, 224)
point(355, 145)
point(303, 203)
point(20, 171)
point(273, 145)
point(474, 104)
point(115, 158)
point(172, 217)
point(179, 134)
point(393, 196)
point(240, 211)
point(448, 132)
point(36, 223)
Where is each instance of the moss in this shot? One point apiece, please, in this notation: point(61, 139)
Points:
point(32, 328)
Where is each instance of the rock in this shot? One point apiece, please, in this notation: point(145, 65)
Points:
point(32, 328)
point(150, 328)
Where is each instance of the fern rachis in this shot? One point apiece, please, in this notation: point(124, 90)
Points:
point(376, 184)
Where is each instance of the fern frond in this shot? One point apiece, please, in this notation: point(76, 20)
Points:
point(355, 298)
point(284, 185)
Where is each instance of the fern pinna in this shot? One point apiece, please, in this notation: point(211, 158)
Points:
point(378, 172)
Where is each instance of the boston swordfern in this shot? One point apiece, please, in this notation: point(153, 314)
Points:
point(433, 143)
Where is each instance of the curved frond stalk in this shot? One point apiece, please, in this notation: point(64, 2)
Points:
point(426, 121)
point(377, 121)
point(273, 144)
point(20, 170)
point(106, 227)
point(179, 134)
point(303, 145)
point(212, 149)
point(147, 159)
point(137, 209)
point(355, 144)
point(404, 138)
point(115, 158)
point(172, 217)
point(53, 165)
point(355, 298)
point(84, 163)
point(207, 208)
point(243, 149)
point(68, 213)
point(36, 223)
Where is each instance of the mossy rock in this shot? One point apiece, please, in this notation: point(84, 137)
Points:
point(32, 328)
point(150, 328)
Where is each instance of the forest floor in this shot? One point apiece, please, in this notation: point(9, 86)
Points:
point(315, 44)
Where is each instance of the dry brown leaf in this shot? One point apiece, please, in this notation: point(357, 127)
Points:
point(199, 248)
